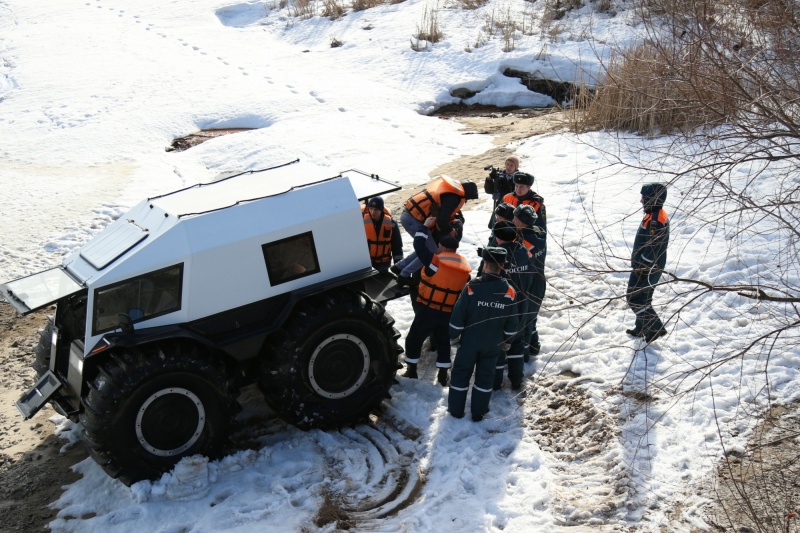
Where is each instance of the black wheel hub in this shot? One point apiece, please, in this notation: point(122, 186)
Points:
point(338, 366)
point(170, 421)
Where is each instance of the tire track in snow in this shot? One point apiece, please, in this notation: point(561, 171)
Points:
point(379, 477)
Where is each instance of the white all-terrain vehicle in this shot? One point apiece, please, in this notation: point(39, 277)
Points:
point(263, 276)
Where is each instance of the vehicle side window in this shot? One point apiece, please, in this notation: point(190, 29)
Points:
point(291, 258)
point(141, 298)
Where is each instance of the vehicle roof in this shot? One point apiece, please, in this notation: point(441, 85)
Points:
point(229, 190)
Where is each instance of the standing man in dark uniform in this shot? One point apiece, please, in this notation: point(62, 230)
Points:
point(647, 262)
point(524, 195)
point(517, 269)
point(484, 319)
point(498, 184)
point(534, 239)
point(442, 199)
point(383, 235)
point(442, 279)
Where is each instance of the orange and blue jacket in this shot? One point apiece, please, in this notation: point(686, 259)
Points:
point(442, 278)
point(442, 198)
point(650, 245)
point(532, 199)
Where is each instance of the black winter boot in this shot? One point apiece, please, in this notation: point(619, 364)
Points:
point(650, 336)
point(411, 371)
point(635, 332)
point(441, 377)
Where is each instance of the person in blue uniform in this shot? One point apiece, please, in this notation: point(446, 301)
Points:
point(517, 269)
point(481, 325)
point(648, 259)
point(534, 238)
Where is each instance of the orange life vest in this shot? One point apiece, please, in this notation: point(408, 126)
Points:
point(380, 242)
point(441, 290)
point(510, 198)
point(427, 203)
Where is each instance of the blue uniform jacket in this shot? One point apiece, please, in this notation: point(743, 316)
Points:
point(650, 244)
point(485, 313)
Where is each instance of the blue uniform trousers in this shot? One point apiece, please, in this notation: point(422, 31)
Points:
point(640, 299)
point(536, 297)
point(514, 358)
point(431, 322)
point(483, 362)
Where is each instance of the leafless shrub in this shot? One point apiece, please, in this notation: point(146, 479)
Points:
point(303, 9)
point(480, 40)
point(603, 6)
point(428, 29)
point(469, 4)
point(333, 9)
point(529, 21)
point(646, 92)
point(508, 27)
point(361, 5)
point(557, 9)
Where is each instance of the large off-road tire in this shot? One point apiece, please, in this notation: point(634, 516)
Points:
point(333, 362)
point(148, 407)
point(41, 361)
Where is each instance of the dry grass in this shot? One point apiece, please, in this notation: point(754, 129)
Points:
point(333, 9)
point(361, 5)
point(303, 9)
point(428, 30)
point(469, 4)
point(641, 93)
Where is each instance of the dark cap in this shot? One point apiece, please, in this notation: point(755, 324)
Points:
point(494, 254)
point(526, 215)
point(376, 202)
point(505, 230)
point(448, 241)
point(523, 178)
point(504, 210)
point(470, 190)
point(654, 195)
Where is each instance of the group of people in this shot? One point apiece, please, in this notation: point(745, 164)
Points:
point(492, 318)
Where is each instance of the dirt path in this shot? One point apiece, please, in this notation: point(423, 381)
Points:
point(31, 466)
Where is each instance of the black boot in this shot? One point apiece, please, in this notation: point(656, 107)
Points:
point(652, 335)
point(635, 332)
point(411, 371)
point(441, 377)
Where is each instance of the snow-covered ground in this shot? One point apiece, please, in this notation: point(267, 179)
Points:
point(609, 435)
